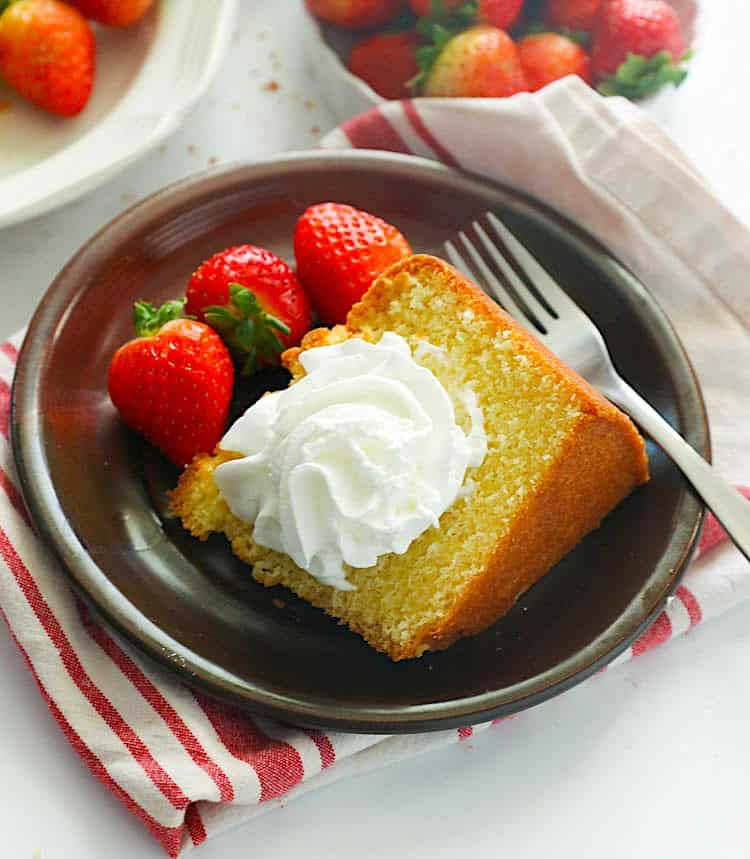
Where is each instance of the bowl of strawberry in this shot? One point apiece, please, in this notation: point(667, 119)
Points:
point(370, 51)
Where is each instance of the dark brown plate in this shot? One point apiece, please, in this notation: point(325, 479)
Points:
point(97, 493)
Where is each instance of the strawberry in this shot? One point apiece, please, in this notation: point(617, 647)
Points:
point(481, 61)
point(173, 382)
point(253, 299)
point(355, 14)
point(47, 54)
point(340, 250)
point(113, 13)
point(637, 45)
point(386, 62)
point(571, 14)
point(499, 13)
point(546, 57)
point(495, 13)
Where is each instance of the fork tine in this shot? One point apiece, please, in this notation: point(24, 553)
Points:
point(555, 297)
point(535, 307)
point(505, 299)
point(457, 260)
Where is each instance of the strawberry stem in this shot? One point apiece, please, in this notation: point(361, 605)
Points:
point(148, 320)
point(638, 77)
point(251, 333)
point(437, 29)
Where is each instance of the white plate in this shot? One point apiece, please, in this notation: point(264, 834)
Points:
point(148, 78)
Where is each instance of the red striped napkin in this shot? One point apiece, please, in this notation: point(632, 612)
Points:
point(189, 767)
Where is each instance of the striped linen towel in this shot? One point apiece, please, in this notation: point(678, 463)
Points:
point(189, 767)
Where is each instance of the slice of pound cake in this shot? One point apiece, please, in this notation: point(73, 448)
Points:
point(429, 462)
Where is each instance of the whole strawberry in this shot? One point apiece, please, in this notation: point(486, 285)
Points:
point(495, 13)
point(636, 46)
point(481, 61)
point(571, 14)
point(386, 62)
point(254, 300)
point(113, 13)
point(173, 383)
point(546, 57)
point(47, 54)
point(340, 250)
point(355, 14)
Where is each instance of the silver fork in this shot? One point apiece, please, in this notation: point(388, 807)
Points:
point(574, 338)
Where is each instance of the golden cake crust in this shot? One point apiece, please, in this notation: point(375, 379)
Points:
point(602, 459)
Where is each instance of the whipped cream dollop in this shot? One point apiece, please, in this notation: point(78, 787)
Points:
point(353, 461)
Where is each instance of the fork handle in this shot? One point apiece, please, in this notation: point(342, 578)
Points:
point(729, 507)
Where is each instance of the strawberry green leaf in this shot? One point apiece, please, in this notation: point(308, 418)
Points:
point(638, 77)
point(245, 334)
point(148, 320)
point(580, 37)
point(273, 322)
point(252, 334)
point(244, 300)
point(221, 319)
point(468, 12)
point(250, 364)
point(406, 20)
point(454, 20)
point(437, 29)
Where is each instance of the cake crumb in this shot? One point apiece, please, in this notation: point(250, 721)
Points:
point(212, 161)
point(278, 603)
point(315, 130)
point(190, 148)
point(271, 86)
point(307, 104)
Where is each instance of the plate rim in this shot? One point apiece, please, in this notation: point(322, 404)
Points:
point(118, 612)
point(64, 183)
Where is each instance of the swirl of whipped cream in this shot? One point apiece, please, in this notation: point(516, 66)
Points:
point(353, 461)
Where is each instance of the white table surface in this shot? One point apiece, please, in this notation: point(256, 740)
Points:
point(650, 759)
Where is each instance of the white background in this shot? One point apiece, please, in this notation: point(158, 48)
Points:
point(650, 759)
